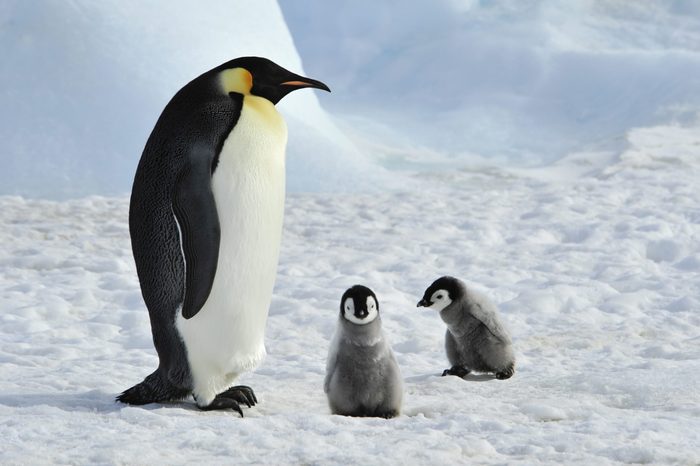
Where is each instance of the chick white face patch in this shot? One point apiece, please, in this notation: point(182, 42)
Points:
point(360, 316)
point(372, 311)
point(440, 299)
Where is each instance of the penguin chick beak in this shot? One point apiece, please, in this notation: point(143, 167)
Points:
point(306, 82)
point(423, 303)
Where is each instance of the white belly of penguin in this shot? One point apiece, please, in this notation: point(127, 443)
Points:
point(226, 337)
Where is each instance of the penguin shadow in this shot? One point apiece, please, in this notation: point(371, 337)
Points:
point(471, 377)
point(476, 377)
point(93, 401)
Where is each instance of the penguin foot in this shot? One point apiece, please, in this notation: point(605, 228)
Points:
point(388, 414)
point(232, 398)
point(223, 403)
point(459, 371)
point(506, 374)
point(155, 388)
point(241, 394)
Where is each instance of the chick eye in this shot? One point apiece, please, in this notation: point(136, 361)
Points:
point(371, 306)
point(438, 296)
point(347, 308)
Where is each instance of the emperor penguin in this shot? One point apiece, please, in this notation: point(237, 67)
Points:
point(205, 220)
point(475, 340)
point(362, 376)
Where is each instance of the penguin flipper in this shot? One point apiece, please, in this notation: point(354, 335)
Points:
point(487, 314)
point(331, 362)
point(198, 221)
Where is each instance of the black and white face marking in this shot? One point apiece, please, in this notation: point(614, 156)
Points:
point(439, 300)
point(364, 313)
point(442, 292)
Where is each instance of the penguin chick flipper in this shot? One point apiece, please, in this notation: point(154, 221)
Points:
point(198, 222)
point(459, 371)
point(241, 394)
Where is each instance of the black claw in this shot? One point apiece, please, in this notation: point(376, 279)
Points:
point(232, 399)
point(255, 398)
point(241, 394)
point(238, 397)
point(223, 403)
point(248, 392)
point(506, 374)
point(388, 414)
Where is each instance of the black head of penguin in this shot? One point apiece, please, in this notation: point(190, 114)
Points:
point(454, 288)
point(266, 79)
point(360, 302)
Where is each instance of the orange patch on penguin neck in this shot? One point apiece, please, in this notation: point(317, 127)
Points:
point(236, 80)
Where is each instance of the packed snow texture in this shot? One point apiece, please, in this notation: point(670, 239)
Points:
point(511, 81)
point(594, 262)
point(594, 258)
point(83, 83)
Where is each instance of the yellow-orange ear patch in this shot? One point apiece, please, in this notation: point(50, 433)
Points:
point(236, 80)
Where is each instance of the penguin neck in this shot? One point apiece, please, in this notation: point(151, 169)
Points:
point(267, 113)
point(240, 81)
point(362, 335)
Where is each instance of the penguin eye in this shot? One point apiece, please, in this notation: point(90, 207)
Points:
point(438, 296)
point(347, 308)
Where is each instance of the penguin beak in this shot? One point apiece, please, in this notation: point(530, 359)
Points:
point(423, 303)
point(305, 82)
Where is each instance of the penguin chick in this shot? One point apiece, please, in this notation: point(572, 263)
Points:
point(475, 340)
point(362, 376)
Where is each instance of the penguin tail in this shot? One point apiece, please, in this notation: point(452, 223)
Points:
point(154, 389)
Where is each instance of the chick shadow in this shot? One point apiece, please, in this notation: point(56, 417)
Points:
point(471, 377)
point(94, 401)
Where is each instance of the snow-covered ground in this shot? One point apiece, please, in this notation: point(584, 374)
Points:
point(594, 261)
point(593, 257)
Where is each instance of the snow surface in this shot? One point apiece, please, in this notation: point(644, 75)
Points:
point(594, 261)
point(594, 258)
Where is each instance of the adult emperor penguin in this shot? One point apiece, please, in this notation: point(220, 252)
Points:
point(362, 375)
point(475, 338)
point(206, 221)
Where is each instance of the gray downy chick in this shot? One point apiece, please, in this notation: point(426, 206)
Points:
point(362, 375)
point(476, 340)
